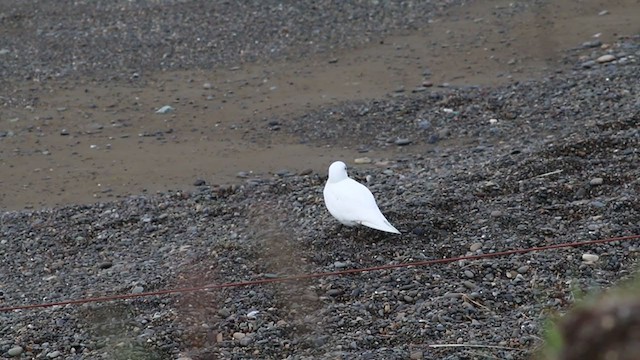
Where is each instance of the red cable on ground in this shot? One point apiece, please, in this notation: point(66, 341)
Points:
point(314, 275)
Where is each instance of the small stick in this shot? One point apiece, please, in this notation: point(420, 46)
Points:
point(549, 173)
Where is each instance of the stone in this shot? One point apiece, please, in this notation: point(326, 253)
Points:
point(362, 160)
point(402, 142)
point(15, 351)
point(53, 354)
point(165, 110)
point(590, 258)
point(605, 58)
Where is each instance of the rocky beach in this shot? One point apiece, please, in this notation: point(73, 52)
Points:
point(153, 145)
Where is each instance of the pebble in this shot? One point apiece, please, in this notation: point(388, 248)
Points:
point(416, 355)
point(246, 341)
point(362, 160)
point(137, 290)
point(64, 132)
point(53, 354)
point(207, 85)
point(469, 274)
point(239, 335)
point(105, 265)
point(590, 258)
point(475, 246)
point(424, 124)
point(15, 351)
point(199, 182)
point(523, 269)
point(402, 142)
point(469, 285)
point(605, 58)
point(165, 109)
point(596, 181)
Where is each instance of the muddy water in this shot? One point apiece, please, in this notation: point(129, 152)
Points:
point(85, 141)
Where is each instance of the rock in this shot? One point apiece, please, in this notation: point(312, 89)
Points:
point(207, 86)
point(592, 44)
point(362, 160)
point(469, 274)
point(239, 335)
point(15, 351)
point(605, 58)
point(424, 124)
point(53, 354)
point(590, 258)
point(603, 12)
point(523, 269)
point(199, 182)
point(416, 355)
point(402, 142)
point(588, 64)
point(596, 181)
point(475, 246)
point(105, 265)
point(64, 132)
point(165, 110)
point(137, 290)
point(246, 341)
point(334, 292)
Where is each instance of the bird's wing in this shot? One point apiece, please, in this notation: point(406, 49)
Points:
point(351, 201)
point(352, 196)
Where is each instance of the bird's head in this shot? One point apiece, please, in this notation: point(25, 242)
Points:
point(337, 171)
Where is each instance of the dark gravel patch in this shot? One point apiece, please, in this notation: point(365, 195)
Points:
point(560, 164)
point(117, 39)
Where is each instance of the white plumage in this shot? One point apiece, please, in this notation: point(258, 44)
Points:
point(352, 203)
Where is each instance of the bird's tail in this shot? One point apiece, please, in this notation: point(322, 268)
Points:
point(382, 226)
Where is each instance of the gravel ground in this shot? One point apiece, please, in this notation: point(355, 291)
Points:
point(543, 162)
point(114, 39)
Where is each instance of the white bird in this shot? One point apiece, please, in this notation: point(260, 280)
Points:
point(352, 203)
